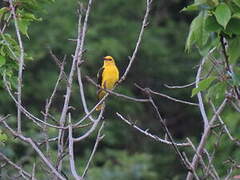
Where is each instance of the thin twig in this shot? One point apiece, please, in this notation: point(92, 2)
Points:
point(91, 129)
point(27, 113)
point(165, 128)
point(5, 24)
point(115, 93)
point(145, 132)
point(165, 96)
point(221, 121)
point(189, 164)
point(98, 139)
point(50, 100)
point(77, 125)
point(36, 148)
point(204, 139)
point(180, 87)
point(144, 24)
point(214, 173)
point(20, 169)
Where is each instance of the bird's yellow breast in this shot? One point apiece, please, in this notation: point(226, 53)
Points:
point(110, 76)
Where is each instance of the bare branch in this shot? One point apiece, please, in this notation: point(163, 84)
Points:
point(204, 139)
point(98, 139)
point(199, 95)
point(36, 148)
point(91, 129)
point(71, 153)
point(145, 132)
point(27, 113)
point(148, 90)
point(33, 171)
point(76, 125)
point(77, 57)
point(49, 102)
point(180, 87)
point(21, 63)
point(165, 128)
point(82, 94)
point(189, 164)
point(144, 24)
point(22, 172)
point(5, 24)
point(117, 94)
point(236, 106)
point(221, 121)
point(213, 173)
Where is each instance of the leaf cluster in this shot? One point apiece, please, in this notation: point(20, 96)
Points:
point(215, 18)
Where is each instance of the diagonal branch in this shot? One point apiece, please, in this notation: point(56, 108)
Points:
point(115, 93)
point(165, 128)
point(144, 25)
point(26, 112)
point(148, 90)
point(36, 148)
point(204, 137)
point(145, 132)
point(22, 172)
point(98, 139)
point(94, 126)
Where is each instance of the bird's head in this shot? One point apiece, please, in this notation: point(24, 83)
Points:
point(108, 60)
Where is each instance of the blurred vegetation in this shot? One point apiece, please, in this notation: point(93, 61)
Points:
point(113, 29)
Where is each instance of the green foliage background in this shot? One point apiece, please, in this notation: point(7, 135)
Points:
point(113, 29)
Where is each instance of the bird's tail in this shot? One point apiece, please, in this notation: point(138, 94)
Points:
point(101, 94)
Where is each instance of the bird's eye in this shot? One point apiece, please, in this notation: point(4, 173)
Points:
point(108, 59)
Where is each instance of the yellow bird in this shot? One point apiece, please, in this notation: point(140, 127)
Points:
point(107, 76)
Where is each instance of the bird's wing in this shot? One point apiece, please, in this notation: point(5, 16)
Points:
point(99, 76)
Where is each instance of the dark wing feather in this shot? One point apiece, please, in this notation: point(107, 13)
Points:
point(99, 76)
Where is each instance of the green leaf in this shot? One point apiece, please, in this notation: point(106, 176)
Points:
point(233, 50)
point(233, 27)
point(212, 25)
point(2, 11)
point(198, 2)
point(197, 33)
point(213, 42)
point(223, 14)
point(236, 15)
point(203, 85)
point(2, 51)
point(3, 137)
point(2, 61)
point(23, 26)
point(234, 8)
point(235, 79)
point(30, 17)
point(212, 3)
point(216, 91)
point(237, 2)
point(192, 7)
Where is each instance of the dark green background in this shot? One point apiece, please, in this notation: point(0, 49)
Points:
point(113, 29)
